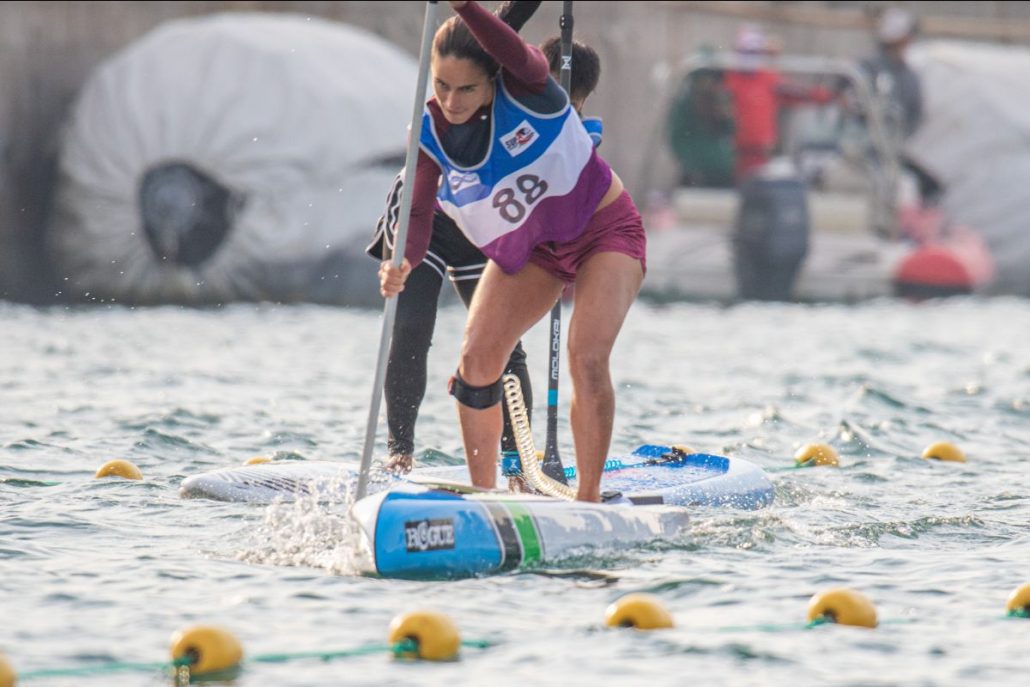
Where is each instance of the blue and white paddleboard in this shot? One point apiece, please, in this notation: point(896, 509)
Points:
point(431, 523)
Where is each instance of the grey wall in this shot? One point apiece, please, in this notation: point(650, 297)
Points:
point(47, 50)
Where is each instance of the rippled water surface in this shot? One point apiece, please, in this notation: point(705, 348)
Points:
point(97, 571)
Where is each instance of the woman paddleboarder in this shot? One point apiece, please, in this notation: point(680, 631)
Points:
point(523, 182)
point(452, 255)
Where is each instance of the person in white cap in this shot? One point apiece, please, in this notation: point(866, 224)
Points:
point(891, 75)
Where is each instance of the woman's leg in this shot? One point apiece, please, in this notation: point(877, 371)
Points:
point(405, 384)
point(606, 285)
point(516, 366)
point(503, 308)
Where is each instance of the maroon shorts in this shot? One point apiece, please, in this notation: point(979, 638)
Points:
point(617, 228)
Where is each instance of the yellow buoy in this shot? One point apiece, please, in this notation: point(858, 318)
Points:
point(639, 611)
point(943, 450)
point(1019, 601)
point(811, 455)
point(842, 606)
point(119, 468)
point(211, 649)
point(436, 638)
point(257, 460)
point(7, 674)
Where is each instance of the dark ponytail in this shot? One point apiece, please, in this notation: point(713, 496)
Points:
point(453, 38)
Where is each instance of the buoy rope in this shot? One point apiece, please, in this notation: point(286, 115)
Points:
point(406, 646)
point(324, 655)
point(180, 666)
point(773, 627)
point(22, 482)
point(789, 627)
point(105, 668)
point(534, 476)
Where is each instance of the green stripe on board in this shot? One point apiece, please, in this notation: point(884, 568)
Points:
point(526, 526)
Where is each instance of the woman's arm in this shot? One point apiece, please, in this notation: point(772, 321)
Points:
point(524, 63)
point(423, 202)
point(420, 227)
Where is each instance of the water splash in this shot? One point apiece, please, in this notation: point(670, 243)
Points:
point(310, 532)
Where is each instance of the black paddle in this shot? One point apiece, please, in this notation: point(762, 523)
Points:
point(552, 465)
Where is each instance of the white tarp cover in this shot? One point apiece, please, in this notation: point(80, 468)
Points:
point(976, 139)
point(288, 111)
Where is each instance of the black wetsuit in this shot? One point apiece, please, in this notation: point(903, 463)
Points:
point(452, 254)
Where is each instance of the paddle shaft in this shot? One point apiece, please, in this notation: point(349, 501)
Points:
point(552, 465)
point(390, 310)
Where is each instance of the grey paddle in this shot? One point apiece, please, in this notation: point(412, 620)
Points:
point(390, 310)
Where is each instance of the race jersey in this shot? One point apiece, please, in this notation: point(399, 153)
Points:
point(540, 181)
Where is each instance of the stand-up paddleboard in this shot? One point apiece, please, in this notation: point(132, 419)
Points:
point(432, 523)
point(651, 475)
point(426, 532)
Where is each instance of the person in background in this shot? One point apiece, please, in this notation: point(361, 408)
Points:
point(891, 75)
point(759, 91)
point(452, 253)
point(523, 181)
point(586, 72)
point(893, 79)
point(701, 131)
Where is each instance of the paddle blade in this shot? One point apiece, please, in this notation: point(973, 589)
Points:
point(552, 465)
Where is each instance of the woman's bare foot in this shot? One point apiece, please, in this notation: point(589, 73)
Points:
point(400, 464)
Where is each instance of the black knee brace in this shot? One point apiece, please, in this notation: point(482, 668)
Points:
point(477, 397)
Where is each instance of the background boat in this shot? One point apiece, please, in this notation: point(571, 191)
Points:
point(861, 227)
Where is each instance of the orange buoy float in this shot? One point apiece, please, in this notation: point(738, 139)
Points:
point(816, 455)
point(119, 468)
point(7, 675)
point(639, 611)
point(843, 607)
point(944, 451)
point(1018, 604)
point(434, 636)
point(211, 649)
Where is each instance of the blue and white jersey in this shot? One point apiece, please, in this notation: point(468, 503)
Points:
point(539, 181)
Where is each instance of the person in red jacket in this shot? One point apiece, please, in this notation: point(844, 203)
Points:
point(759, 91)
